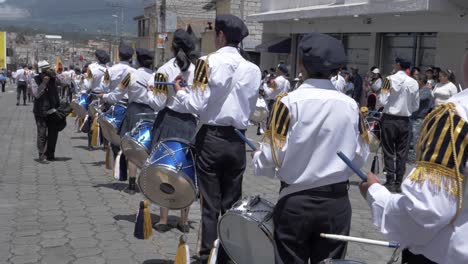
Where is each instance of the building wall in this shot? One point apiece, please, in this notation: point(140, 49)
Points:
point(243, 9)
point(451, 29)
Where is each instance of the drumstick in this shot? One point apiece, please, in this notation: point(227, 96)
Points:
point(171, 83)
point(352, 165)
point(246, 140)
point(361, 240)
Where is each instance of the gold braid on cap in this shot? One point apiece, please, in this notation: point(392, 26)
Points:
point(386, 86)
point(278, 127)
point(201, 74)
point(126, 81)
point(160, 88)
point(441, 152)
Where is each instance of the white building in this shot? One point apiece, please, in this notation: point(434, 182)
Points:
point(374, 32)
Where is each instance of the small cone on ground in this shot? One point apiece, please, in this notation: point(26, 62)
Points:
point(183, 252)
point(143, 226)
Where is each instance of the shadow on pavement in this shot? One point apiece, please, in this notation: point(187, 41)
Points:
point(62, 158)
point(82, 137)
point(96, 163)
point(118, 186)
point(158, 261)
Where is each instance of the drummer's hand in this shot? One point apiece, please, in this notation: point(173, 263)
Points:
point(177, 82)
point(150, 88)
point(101, 95)
point(364, 186)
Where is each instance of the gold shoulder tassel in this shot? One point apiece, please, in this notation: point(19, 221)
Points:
point(201, 74)
point(387, 85)
point(440, 163)
point(160, 88)
point(278, 127)
point(125, 82)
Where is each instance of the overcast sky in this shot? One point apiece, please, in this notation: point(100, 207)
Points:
point(90, 15)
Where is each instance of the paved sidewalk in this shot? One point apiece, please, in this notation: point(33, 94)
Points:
point(72, 211)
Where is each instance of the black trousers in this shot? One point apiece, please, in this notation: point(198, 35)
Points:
point(220, 168)
point(3, 85)
point(47, 134)
point(409, 258)
point(299, 218)
point(21, 88)
point(396, 136)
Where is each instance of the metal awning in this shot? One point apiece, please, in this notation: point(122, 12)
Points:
point(281, 45)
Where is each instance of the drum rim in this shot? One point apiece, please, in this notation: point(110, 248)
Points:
point(145, 167)
point(267, 232)
point(176, 139)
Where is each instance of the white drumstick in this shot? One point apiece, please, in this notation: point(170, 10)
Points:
point(361, 240)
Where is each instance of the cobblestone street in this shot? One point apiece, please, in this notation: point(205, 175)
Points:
point(73, 211)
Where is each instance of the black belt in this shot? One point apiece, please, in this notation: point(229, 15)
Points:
point(339, 188)
point(395, 117)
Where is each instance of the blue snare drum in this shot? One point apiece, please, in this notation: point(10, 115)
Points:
point(136, 144)
point(80, 105)
point(168, 178)
point(110, 122)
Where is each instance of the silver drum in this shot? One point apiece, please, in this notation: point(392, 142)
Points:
point(246, 231)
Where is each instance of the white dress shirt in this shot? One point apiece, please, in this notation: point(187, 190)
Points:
point(443, 92)
point(420, 217)
point(93, 84)
point(339, 82)
point(137, 88)
point(240, 99)
point(160, 100)
point(282, 86)
point(22, 75)
point(117, 73)
point(323, 121)
point(403, 97)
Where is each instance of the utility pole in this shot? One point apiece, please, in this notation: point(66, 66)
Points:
point(163, 28)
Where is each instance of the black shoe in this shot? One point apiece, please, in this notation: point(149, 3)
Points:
point(42, 160)
point(162, 228)
point(51, 159)
point(17, 103)
point(183, 228)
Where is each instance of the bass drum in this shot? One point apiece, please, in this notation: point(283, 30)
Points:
point(246, 231)
point(136, 144)
point(168, 178)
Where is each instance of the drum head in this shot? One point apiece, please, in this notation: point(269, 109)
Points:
point(374, 142)
point(244, 241)
point(134, 151)
point(166, 187)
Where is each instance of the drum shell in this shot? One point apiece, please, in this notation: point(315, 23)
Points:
point(170, 165)
point(80, 105)
point(110, 122)
point(136, 144)
point(254, 233)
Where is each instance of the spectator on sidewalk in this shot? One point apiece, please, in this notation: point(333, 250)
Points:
point(426, 103)
point(445, 88)
point(46, 97)
point(22, 78)
point(3, 79)
point(358, 85)
point(430, 78)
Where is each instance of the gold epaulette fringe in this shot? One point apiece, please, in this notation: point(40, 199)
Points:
point(386, 86)
point(201, 74)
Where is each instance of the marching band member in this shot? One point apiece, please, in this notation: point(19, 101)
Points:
point(305, 133)
point(92, 81)
point(279, 85)
point(173, 121)
point(224, 94)
point(134, 84)
point(400, 98)
point(430, 217)
point(110, 83)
